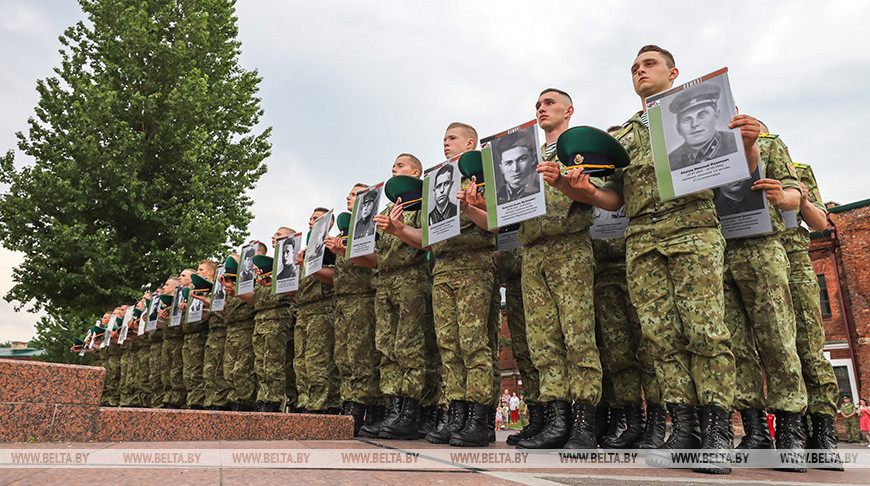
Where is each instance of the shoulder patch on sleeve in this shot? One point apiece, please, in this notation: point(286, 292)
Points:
point(791, 170)
point(817, 194)
point(768, 135)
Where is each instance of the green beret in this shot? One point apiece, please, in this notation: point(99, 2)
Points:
point(594, 150)
point(200, 284)
point(409, 188)
point(264, 263)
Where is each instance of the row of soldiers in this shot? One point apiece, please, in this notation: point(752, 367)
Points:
point(610, 336)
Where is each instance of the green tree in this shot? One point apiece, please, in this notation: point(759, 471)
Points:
point(144, 149)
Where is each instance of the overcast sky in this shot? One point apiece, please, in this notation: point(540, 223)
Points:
point(348, 85)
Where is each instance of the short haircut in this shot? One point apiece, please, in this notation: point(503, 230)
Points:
point(556, 90)
point(262, 249)
point(286, 230)
point(614, 128)
point(210, 265)
point(466, 130)
point(176, 280)
point(443, 170)
point(360, 185)
point(191, 270)
point(324, 211)
point(669, 58)
point(415, 162)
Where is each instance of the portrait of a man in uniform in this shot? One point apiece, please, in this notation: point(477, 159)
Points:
point(515, 160)
point(738, 197)
point(441, 189)
point(698, 122)
point(287, 261)
point(365, 222)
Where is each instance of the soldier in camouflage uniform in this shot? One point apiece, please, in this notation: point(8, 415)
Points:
point(238, 350)
point(675, 257)
point(144, 357)
point(316, 372)
point(171, 356)
point(760, 317)
point(113, 364)
point(273, 324)
point(195, 336)
point(154, 363)
point(216, 387)
point(355, 354)
point(402, 303)
point(128, 356)
point(817, 371)
point(510, 267)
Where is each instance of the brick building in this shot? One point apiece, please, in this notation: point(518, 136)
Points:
point(841, 259)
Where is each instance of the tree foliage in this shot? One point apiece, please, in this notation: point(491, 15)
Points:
point(144, 148)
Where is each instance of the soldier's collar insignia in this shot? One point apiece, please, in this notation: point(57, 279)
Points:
point(770, 136)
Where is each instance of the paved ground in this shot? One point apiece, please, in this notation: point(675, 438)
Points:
point(437, 472)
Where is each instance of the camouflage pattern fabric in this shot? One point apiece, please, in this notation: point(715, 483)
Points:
point(675, 259)
point(143, 356)
point(128, 393)
point(462, 294)
point(321, 375)
point(749, 381)
point(155, 368)
point(356, 357)
point(239, 352)
point(300, 339)
point(216, 387)
point(113, 374)
point(172, 357)
point(193, 358)
point(402, 303)
point(616, 325)
point(557, 281)
point(272, 327)
point(511, 270)
point(758, 268)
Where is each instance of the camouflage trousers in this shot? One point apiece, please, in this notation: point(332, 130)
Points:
point(172, 358)
point(462, 294)
point(516, 319)
point(493, 328)
point(193, 357)
point(239, 364)
point(818, 374)
point(155, 366)
point(617, 329)
point(289, 372)
point(757, 272)
point(403, 306)
point(316, 375)
point(143, 356)
point(270, 358)
point(674, 273)
point(356, 357)
point(557, 278)
point(112, 390)
point(128, 385)
point(216, 387)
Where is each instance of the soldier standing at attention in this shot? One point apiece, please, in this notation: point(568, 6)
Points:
point(356, 357)
point(403, 303)
point(273, 323)
point(674, 265)
point(238, 351)
point(216, 387)
point(316, 373)
point(195, 336)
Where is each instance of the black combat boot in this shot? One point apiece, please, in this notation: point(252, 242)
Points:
point(755, 430)
point(457, 413)
point(358, 412)
point(557, 428)
point(272, 407)
point(583, 428)
point(717, 437)
point(654, 431)
point(825, 440)
point(394, 409)
point(407, 425)
point(429, 420)
point(602, 422)
point(791, 440)
point(371, 427)
point(685, 434)
point(615, 428)
point(476, 430)
point(635, 422)
point(533, 428)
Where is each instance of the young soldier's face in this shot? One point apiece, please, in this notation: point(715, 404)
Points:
point(313, 218)
point(279, 234)
point(698, 125)
point(351, 197)
point(552, 110)
point(185, 278)
point(402, 166)
point(455, 142)
point(205, 272)
point(650, 74)
point(169, 286)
